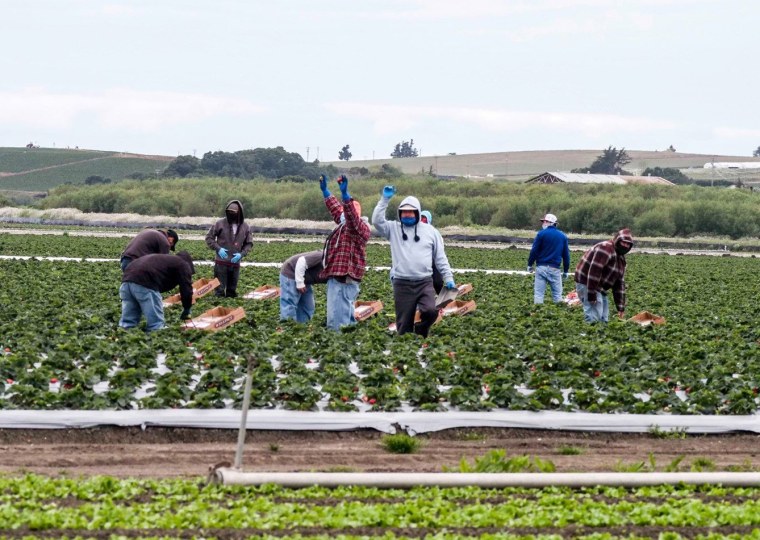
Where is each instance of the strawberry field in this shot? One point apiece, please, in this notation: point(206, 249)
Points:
point(61, 348)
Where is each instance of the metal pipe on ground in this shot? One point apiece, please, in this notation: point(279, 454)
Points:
point(405, 480)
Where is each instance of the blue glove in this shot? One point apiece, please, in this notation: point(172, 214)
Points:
point(564, 275)
point(185, 314)
point(222, 253)
point(323, 186)
point(389, 191)
point(451, 285)
point(343, 185)
point(236, 258)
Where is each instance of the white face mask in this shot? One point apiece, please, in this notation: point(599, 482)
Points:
point(544, 225)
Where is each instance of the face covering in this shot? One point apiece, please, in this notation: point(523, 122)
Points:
point(620, 250)
point(544, 225)
point(409, 221)
point(231, 217)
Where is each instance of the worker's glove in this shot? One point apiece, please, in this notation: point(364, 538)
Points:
point(530, 269)
point(185, 314)
point(564, 275)
point(450, 285)
point(236, 258)
point(343, 184)
point(222, 253)
point(389, 191)
point(323, 186)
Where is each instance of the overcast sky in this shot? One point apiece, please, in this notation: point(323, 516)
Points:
point(191, 76)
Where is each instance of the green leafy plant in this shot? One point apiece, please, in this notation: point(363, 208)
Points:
point(401, 443)
point(496, 461)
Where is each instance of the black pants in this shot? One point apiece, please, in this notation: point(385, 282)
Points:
point(408, 295)
point(228, 278)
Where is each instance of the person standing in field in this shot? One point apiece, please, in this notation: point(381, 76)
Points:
point(600, 269)
point(146, 242)
point(550, 249)
point(143, 282)
point(343, 255)
point(427, 217)
point(230, 238)
point(297, 275)
point(415, 247)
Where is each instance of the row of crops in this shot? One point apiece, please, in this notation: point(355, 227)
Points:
point(102, 507)
point(62, 349)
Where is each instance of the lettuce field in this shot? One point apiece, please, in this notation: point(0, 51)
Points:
point(62, 349)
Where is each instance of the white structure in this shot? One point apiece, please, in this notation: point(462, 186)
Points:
point(733, 165)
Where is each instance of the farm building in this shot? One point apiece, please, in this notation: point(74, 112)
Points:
point(585, 178)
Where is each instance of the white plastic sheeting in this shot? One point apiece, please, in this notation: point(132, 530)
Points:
point(390, 422)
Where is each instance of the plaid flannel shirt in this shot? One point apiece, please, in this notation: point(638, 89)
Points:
point(344, 253)
point(601, 269)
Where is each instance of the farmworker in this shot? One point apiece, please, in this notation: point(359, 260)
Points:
point(343, 255)
point(550, 248)
point(146, 242)
point(427, 217)
point(415, 247)
point(145, 280)
point(230, 238)
point(297, 275)
point(602, 268)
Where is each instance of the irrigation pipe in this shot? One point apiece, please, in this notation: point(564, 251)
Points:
point(244, 415)
point(405, 480)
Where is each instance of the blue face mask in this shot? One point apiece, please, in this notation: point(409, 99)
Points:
point(409, 221)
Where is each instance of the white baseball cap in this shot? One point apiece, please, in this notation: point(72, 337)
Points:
point(550, 218)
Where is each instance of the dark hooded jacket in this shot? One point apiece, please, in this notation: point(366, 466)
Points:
point(220, 236)
point(603, 267)
point(162, 273)
point(146, 242)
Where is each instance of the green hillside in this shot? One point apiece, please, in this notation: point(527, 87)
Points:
point(39, 169)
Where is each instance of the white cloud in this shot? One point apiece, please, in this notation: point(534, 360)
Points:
point(134, 110)
point(388, 119)
point(736, 133)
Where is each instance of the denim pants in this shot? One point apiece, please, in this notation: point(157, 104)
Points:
point(340, 302)
point(547, 275)
point(294, 304)
point(600, 311)
point(136, 301)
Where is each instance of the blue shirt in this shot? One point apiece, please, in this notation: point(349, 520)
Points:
point(550, 248)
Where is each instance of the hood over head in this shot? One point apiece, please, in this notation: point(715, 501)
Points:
point(410, 203)
point(170, 233)
point(236, 217)
point(426, 214)
point(623, 236)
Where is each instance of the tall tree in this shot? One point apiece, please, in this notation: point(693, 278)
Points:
point(756, 153)
point(405, 149)
point(611, 161)
point(344, 154)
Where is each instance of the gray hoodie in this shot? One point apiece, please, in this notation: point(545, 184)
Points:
point(412, 260)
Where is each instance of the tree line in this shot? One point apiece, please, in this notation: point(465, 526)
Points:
point(649, 210)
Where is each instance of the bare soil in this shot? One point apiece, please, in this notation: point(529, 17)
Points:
point(181, 452)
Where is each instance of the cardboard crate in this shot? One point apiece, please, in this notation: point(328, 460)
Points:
point(572, 300)
point(201, 288)
point(464, 288)
point(265, 292)
point(459, 307)
point(646, 318)
point(215, 319)
point(365, 310)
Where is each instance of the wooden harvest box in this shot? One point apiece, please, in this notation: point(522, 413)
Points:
point(215, 319)
point(417, 318)
point(201, 288)
point(265, 292)
point(464, 288)
point(572, 300)
point(365, 310)
point(645, 318)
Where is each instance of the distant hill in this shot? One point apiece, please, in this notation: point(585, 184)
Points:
point(39, 169)
point(519, 166)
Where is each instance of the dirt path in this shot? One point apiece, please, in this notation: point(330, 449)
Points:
point(167, 452)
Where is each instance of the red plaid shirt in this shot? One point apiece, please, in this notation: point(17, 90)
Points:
point(601, 269)
point(344, 253)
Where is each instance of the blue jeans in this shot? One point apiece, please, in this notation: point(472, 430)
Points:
point(600, 311)
point(295, 305)
point(136, 301)
point(340, 302)
point(547, 275)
